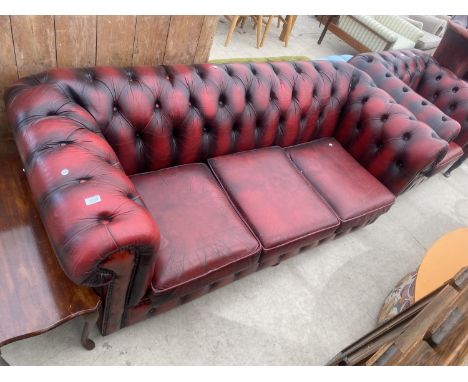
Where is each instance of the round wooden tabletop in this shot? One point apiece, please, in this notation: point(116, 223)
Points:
point(443, 260)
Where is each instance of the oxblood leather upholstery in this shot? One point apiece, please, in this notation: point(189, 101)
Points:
point(82, 132)
point(280, 206)
point(452, 52)
point(355, 195)
point(434, 94)
point(202, 236)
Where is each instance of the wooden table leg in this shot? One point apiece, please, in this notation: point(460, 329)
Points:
point(2, 361)
point(89, 321)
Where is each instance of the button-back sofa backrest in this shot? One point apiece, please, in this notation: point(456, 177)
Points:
point(156, 117)
point(438, 97)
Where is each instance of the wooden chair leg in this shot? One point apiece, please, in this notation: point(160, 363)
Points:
point(231, 29)
point(325, 28)
point(243, 18)
point(259, 30)
point(290, 25)
point(267, 29)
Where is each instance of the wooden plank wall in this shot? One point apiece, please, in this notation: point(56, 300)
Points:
point(31, 44)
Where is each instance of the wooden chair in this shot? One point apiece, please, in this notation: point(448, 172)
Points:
point(258, 22)
point(288, 24)
point(240, 20)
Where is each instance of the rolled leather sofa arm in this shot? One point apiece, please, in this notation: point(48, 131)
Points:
point(387, 139)
point(89, 207)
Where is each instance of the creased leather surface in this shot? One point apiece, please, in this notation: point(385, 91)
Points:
point(349, 189)
point(277, 202)
point(201, 233)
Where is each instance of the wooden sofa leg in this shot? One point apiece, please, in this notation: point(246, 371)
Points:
point(89, 321)
point(457, 164)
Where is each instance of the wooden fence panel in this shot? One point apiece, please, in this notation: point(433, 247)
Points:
point(150, 40)
point(206, 39)
point(182, 39)
point(34, 39)
point(115, 39)
point(9, 73)
point(75, 38)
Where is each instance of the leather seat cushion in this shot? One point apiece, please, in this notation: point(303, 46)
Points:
point(278, 203)
point(202, 236)
point(354, 194)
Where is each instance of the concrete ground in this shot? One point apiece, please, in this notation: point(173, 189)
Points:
point(301, 312)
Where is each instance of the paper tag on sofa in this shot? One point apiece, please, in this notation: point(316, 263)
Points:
point(92, 200)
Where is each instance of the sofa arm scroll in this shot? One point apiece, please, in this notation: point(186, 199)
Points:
point(387, 139)
point(89, 207)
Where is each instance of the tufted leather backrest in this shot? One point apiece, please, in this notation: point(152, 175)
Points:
point(156, 117)
point(413, 79)
point(404, 64)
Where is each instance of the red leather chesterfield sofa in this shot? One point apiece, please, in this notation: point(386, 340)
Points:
point(431, 92)
point(159, 184)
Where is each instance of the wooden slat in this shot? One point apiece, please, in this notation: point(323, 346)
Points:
point(7, 58)
point(351, 41)
point(115, 38)
point(205, 40)
point(75, 40)
point(181, 45)
point(34, 38)
point(150, 39)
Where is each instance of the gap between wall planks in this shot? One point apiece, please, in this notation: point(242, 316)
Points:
point(32, 44)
